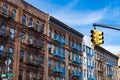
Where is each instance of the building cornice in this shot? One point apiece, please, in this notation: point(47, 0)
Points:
point(105, 51)
point(55, 21)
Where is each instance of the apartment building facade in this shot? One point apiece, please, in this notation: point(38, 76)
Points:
point(22, 37)
point(36, 46)
point(88, 59)
point(106, 64)
point(118, 67)
point(64, 52)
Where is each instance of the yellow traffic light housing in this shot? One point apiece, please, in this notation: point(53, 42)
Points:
point(100, 38)
point(93, 37)
point(96, 37)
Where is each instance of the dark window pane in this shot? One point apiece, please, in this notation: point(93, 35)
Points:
point(23, 19)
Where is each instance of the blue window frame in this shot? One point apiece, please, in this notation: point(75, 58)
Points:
point(37, 26)
point(1, 50)
point(4, 10)
point(13, 14)
point(55, 49)
point(24, 20)
point(12, 33)
point(3, 29)
point(30, 22)
point(10, 51)
point(21, 55)
point(22, 37)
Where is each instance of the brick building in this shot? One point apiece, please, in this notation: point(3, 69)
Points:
point(36, 46)
point(22, 38)
point(64, 52)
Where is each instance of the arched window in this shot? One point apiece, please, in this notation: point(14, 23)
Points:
point(30, 22)
point(23, 19)
point(13, 14)
point(4, 10)
point(37, 25)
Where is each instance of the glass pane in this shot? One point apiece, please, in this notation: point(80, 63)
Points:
point(23, 19)
point(13, 14)
point(3, 29)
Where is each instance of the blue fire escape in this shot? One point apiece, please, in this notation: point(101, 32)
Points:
point(59, 53)
point(110, 65)
point(76, 60)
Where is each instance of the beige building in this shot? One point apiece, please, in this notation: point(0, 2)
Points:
point(118, 67)
point(106, 64)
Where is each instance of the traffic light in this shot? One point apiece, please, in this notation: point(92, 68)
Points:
point(100, 38)
point(93, 37)
point(96, 37)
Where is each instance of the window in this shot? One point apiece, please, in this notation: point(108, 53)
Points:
point(55, 49)
point(23, 19)
point(55, 35)
point(72, 43)
point(10, 51)
point(1, 50)
point(41, 60)
point(12, 33)
point(3, 29)
point(36, 41)
point(28, 58)
point(42, 28)
point(49, 63)
point(69, 41)
point(50, 33)
point(35, 59)
point(13, 14)
point(20, 74)
point(30, 22)
point(87, 50)
point(30, 38)
point(42, 43)
point(84, 72)
point(37, 25)
point(49, 48)
point(28, 75)
point(4, 9)
point(22, 37)
point(21, 55)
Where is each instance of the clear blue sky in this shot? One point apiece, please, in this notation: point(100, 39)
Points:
point(81, 14)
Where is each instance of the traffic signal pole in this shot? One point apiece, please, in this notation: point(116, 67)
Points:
point(104, 26)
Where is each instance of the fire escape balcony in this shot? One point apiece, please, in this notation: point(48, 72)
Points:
point(90, 65)
point(5, 13)
point(59, 54)
point(90, 54)
point(109, 64)
point(77, 60)
point(58, 70)
point(76, 74)
point(76, 47)
point(57, 39)
point(110, 73)
point(91, 77)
